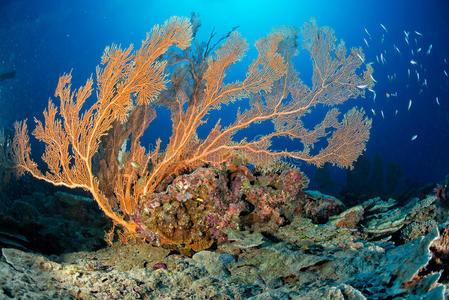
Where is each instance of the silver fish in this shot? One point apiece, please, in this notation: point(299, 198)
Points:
point(372, 78)
point(429, 49)
point(383, 27)
point(436, 100)
point(417, 75)
point(382, 58)
point(406, 40)
point(366, 30)
point(445, 73)
point(418, 33)
point(366, 42)
point(413, 62)
point(374, 93)
point(409, 104)
point(414, 137)
point(425, 82)
point(360, 57)
point(397, 49)
point(382, 113)
point(406, 33)
point(377, 58)
point(373, 111)
point(362, 86)
point(135, 165)
point(408, 71)
point(419, 50)
point(396, 112)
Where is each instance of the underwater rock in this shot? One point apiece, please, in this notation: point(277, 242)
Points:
point(440, 257)
point(190, 210)
point(319, 207)
point(244, 239)
point(382, 221)
point(399, 270)
point(415, 218)
point(53, 223)
point(212, 262)
point(350, 218)
point(338, 265)
point(416, 229)
point(196, 208)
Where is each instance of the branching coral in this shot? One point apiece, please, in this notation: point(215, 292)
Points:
point(130, 84)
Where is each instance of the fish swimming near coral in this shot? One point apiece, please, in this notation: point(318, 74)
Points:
point(361, 58)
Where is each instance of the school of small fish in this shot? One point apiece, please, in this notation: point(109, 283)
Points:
point(414, 50)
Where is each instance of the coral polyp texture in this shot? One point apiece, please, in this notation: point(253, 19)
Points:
point(97, 147)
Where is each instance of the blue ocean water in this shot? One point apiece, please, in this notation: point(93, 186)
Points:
point(41, 40)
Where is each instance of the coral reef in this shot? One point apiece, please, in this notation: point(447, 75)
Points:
point(97, 148)
point(302, 261)
point(196, 207)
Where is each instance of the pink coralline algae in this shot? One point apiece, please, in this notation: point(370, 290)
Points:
point(195, 207)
